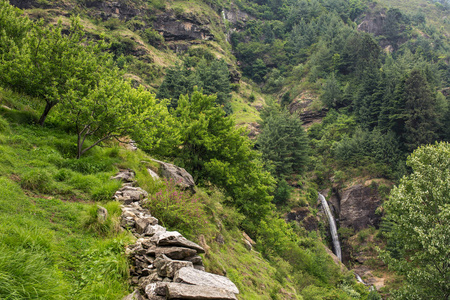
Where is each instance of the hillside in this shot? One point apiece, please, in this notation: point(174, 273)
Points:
point(266, 104)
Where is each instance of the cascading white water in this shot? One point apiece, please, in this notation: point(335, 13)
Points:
point(333, 228)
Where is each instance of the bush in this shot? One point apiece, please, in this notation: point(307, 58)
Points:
point(282, 192)
point(112, 24)
point(177, 209)
point(152, 36)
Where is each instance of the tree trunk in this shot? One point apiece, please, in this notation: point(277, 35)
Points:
point(79, 146)
point(48, 106)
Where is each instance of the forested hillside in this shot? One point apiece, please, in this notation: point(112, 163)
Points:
point(266, 104)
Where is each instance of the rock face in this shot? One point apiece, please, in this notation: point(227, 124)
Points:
point(179, 175)
point(304, 217)
point(185, 27)
point(160, 257)
point(358, 205)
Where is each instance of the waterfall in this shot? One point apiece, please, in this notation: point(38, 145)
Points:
point(333, 228)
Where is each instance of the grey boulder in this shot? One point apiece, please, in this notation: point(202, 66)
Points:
point(174, 238)
point(201, 278)
point(186, 291)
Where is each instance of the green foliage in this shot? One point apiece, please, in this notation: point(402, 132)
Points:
point(14, 28)
point(282, 192)
point(153, 37)
point(418, 211)
point(210, 76)
point(368, 146)
point(108, 227)
point(29, 274)
point(178, 210)
point(56, 66)
point(37, 180)
point(283, 142)
point(213, 150)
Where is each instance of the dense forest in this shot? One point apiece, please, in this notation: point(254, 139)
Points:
point(266, 104)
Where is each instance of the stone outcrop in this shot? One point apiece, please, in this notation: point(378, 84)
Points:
point(303, 216)
point(182, 178)
point(182, 27)
point(164, 264)
point(358, 204)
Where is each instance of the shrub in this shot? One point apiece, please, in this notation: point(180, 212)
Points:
point(152, 36)
point(282, 192)
point(177, 209)
point(112, 24)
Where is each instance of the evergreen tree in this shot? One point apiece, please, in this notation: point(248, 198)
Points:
point(283, 142)
point(421, 118)
point(179, 80)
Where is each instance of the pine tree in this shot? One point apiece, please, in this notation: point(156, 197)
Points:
point(421, 122)
point(283, 142)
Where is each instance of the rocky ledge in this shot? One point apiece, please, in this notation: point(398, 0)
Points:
point(164, 264)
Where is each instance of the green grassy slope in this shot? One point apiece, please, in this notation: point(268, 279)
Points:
point(51, 243)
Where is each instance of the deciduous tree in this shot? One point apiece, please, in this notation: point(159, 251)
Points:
point(419, 212)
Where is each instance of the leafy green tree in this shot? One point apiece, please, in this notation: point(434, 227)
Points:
point(113, 109)
point(13, 27)
point(419, 211)
point(283, 142)
point(215, 151)
point(50, 65)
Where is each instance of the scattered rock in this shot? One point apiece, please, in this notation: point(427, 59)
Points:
point(102, 214)
point(175, 252)
point(153, 174)
point(174, 238)
point(167, 267)
point(155, 229)
point(203, 244)
point(196, 277)
point(158, 255)
point(142, 224)
point(220, 239)
point(156, 291)
point(186, 291)
point(125, 175)
point(182, 178)
point(247, 245)
point(134, 296)
point(129, 194)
